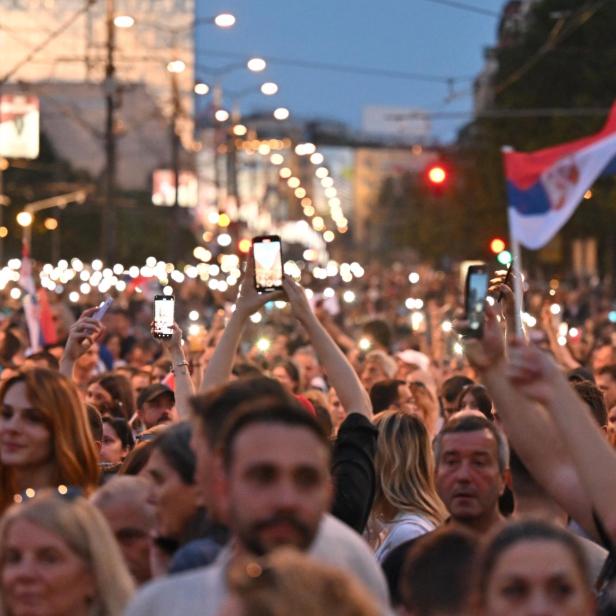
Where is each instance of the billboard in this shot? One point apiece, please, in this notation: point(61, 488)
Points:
point(19, 126)
point(399, 123)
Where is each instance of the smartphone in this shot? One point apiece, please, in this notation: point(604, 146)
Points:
point(267, 252)
point(477, 283)
point(164, 307)
point(102, 309)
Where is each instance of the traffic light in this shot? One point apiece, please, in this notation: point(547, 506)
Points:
point(437, 175)
point(497, 245)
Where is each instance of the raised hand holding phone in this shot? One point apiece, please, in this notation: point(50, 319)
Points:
point(164, 317)
point(267, 253)
point(477, 282)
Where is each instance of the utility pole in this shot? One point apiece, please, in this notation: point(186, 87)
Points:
point(175, 165)
point(108, 213)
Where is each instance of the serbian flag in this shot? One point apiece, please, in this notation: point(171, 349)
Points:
point(545, 187)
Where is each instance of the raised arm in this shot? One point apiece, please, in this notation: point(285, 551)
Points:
point(82, 335)
point(537, 376)
point(184, 387)
point(341, 375)
point(530, 429)
point(248, 301)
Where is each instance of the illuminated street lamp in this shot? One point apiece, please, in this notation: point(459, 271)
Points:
point(269, 88)
point(281, 113)
point(225, 20)
point(201, 89)
point(256, 65)
point(24, 219)
point(123, 21)
point(176, 66)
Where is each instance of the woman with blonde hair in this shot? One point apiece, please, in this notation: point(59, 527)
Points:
point(45, 439)
point(406, 503)
point(289, 582)
point(58, 557)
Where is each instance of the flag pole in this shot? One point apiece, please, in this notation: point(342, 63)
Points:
point(516, 268)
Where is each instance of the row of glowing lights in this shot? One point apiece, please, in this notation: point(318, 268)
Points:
point(327, 182)
point(218, 276)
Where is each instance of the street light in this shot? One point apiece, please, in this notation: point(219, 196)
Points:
point(222, 115)
point(24, 219)
point(269, 88)
point(123, 21)
point(201, 88)
point(256, 65)
point(281, 113)
point(176, 66)
point(224, 20)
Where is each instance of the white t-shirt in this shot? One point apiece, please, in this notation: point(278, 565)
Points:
point(202, 592)
point(404, 527)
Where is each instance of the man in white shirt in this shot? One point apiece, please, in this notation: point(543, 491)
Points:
point(274, 489)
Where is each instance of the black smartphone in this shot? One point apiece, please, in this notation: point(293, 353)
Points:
point(477, 283)
point(164, 308)
point(506, 280)
point(267, 253)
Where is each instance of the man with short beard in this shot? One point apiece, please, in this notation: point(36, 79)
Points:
point(274, 488)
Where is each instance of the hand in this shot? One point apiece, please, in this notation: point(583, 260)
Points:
point(83, 334)
point(485, 352)
point(503, 291)
point(297, 298)
point(248, 301)
point(531, 371)
point(173, 343)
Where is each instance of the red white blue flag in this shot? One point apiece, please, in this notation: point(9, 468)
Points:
point(545, 187)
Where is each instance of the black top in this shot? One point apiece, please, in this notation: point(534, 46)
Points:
point(606, 582)
point(353, 471)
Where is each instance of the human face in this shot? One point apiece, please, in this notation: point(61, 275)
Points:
point(537, 578)
point(98, 396)
point(468, 403)
point(87, 362)
point(139, 382)
point(42, 576)
point(611, 421)
point(131, 523)
point(281, 375)
point(157, 411)
point(336, 410)
point(111, 449)
point(308, 368)
point(25, 439)
point(277, 487)
point(175, 502)
point(607, 385)
point(405, 401)
point(371, 374)
point(468, 478)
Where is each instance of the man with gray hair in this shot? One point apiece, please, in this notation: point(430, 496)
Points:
point(124, 503)
point(472, 465)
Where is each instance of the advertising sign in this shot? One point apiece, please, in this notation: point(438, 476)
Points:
point(19, 126)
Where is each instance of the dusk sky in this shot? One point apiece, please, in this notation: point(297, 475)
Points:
point(407, 36)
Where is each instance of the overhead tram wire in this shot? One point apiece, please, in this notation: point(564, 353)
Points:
point(470, 8)
point(343, 68)
point(52, 36)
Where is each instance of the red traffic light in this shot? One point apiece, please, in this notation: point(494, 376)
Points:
point(437, 174)
point(497, 245)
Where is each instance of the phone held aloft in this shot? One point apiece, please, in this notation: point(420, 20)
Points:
point(164, 317)
point(267, 253)
point(477, 284)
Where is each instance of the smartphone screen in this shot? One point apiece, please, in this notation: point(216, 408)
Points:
point(163, 316)
point(477, 282)
point(267, 251)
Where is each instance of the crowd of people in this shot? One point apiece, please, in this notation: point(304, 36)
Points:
point(354, 457)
